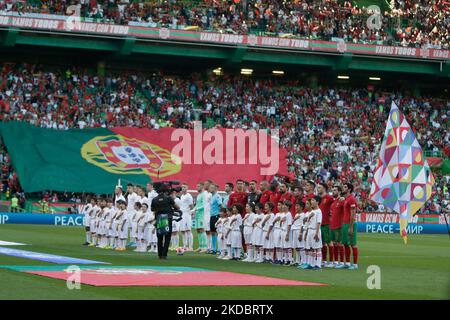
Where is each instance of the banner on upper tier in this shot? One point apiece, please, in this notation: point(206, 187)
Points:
point(42, 218)
point(71, 24)
point(92, 160)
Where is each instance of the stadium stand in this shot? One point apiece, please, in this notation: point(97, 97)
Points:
point(308, 118)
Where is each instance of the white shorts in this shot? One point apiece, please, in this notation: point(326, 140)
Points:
point(123, 234)
point(107, 228)
point(133, 232)
point(223, 241)
point(277, 238)
point(92, 224)
point(101, 227)
point(87, 221)
point(286, 244)
point(228, 238)
point(268, 243)
point(186, 223)
point(257, 236)
point(140, 232)
point(310, 242)
point(248, 239)
point(236, 239)
point(295, 242)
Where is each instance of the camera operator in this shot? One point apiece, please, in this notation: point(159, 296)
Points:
point(164, 207)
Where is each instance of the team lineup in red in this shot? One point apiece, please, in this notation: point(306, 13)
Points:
point(308, 225)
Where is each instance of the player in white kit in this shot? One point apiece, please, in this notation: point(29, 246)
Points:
point(108, 217)
point(122, 231)
point(140, 221)
point(236, 235)
point(303, 235)
point(87, 211)
point(93, 222)
point(267, 224)
point(257, 236)
point(227, 235)
point(314, 237)
point(185, 227)
point(220, 232)
point(297, 224)
point(277, 235)
point(248, 231)
point(286, 235)
point(207, 215)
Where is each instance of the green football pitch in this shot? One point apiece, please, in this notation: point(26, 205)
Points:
point(419, 270)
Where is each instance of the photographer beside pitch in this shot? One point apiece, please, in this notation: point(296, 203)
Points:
point(165, 208)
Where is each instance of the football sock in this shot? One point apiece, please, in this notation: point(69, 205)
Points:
point(355, 255)
point(324, 252)
point(347, 254)
point(331, 250)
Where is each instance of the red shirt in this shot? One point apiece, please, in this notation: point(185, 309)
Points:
point(265, 197)
point(349, 203)
point(238, 198)
point(337, 214)
point(288, 196)
point(325, 205)
point(275, 198)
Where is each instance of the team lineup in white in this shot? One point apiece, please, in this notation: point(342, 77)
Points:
point(266, 225)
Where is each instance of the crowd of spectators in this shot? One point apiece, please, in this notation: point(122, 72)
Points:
point(330, 133)
point(414, 23)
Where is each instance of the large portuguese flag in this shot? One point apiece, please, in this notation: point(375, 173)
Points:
point(92, 160)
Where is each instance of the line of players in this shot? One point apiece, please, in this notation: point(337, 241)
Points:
point(271, 224)
point(127, 219)
point(274, 226)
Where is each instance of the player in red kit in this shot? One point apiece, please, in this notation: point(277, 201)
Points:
point(309, 189)
point(325, 205)
point(274, 196)
point(238, 197)
point(349, 239)
point(285, 195)
point(265, 192)
point(337, 215)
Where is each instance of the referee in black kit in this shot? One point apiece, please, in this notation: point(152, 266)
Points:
point(164, 207)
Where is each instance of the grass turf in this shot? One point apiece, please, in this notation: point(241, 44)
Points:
point(420, 270)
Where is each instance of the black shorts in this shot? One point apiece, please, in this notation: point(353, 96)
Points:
point(212, 223)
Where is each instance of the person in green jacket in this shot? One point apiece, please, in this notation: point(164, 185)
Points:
point(14, 203)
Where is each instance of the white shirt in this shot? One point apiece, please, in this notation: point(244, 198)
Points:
point(249, 218)
point(237, 222)
point(269, 222)
point(185, 203)
point(315, 218)
point(132, 198)
point(143, 200)
point(287, 217)
point(151, 195)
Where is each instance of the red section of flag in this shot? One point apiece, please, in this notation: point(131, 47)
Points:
point(175, 279)
point(198, 169)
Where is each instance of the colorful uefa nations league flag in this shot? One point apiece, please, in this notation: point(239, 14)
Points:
point(402, 180)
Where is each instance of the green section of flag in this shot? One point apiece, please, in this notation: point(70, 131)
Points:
point(47, 159)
